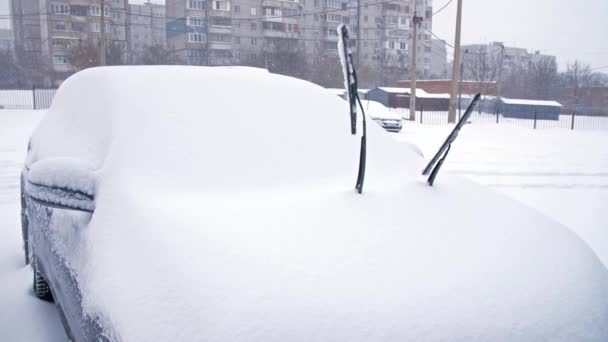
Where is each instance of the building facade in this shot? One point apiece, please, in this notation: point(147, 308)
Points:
point(145, 28)
point(59, 37)
point(439, 59)
point(261, 32)
point(6, 40)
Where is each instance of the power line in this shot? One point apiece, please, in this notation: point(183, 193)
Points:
point(442, 8)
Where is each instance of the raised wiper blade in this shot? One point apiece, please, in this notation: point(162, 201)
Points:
point(435, 164)
point(350, 83)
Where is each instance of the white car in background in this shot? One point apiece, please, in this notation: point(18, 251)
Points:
point(387, 119)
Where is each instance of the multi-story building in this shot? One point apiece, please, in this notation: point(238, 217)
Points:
point(439, 59)
point(64, 36)
point(482, 62)
point(6, 39)
point(257, 32)
point(145, 28)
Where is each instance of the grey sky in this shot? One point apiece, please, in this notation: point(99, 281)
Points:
point(565, 28)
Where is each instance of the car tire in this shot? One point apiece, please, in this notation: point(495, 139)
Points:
point(40, 286)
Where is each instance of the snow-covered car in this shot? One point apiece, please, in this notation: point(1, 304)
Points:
point(146, 220)
point(387, 119)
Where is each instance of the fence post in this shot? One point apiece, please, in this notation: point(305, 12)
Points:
point(421, 111)
point(572, 122)
point(535, 116)
point(497, 115)
point(34, 95)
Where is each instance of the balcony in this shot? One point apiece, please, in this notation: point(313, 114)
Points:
point(281, 34)
point(220, 14)
point(220, 29)
point(281, 4)
point(220, 46)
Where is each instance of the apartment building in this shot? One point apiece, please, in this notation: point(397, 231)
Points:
point(481, 60)
point(6, 40)
point(145, 28)
point(249, 31)
point(439, 59)
point(63, 36)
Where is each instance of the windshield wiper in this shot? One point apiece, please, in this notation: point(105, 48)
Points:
point(436, 162)
point(350, 83)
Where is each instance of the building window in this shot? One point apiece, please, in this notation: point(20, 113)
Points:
point(117, 2)
point(254, 41)
point(271, 11)
point(196, 37)
point(316, 3)
point(77, 27)
point(403, 46)
point(237, 9)
point(197, 4)
point(219, 5)
point(391, 45)
point(237, 40)
point(60, 60)
point(254, 11)
point(333, 4)
point(60, 26)
point(254, 26)
point(220, 38)
point(95, 27)
point(58, 8)
point(316, 16)
point(334, 17)
point(116, 15)
point(95, 11)
point(196, 21)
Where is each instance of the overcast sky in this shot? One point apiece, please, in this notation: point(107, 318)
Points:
point(565, 28)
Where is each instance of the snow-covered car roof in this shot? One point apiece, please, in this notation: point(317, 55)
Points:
point(231, 215)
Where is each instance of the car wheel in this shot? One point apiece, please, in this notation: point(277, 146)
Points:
point(40, 286)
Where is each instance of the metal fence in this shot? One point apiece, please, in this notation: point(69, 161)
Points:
point(32, 98)
point(572, 121)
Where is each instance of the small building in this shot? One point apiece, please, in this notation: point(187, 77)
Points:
point(393, 97)
point(445, 87)
point(433, 102)
point(528, 109)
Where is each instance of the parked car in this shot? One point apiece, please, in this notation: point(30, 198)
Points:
point(146, 219)
point(387, 119)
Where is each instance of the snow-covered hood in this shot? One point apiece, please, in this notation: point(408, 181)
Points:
point(254, 232)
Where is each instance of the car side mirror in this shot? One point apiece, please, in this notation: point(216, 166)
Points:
point(63, 183)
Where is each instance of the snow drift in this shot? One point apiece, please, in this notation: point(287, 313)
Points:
point(226, 210)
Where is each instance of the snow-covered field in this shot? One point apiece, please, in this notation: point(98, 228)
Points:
point(22, 316)
point(561, 173)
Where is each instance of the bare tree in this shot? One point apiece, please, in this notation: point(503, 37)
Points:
point(542, 77)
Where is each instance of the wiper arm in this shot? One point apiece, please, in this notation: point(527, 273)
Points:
point(435, 164)
point(350, 83)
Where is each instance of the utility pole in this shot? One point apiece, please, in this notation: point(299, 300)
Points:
point(102, 45)
point(416, 21)
point(455, 66)
point(358, 31)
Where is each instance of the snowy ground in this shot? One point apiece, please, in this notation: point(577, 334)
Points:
point(561, 173)
point(22, 316)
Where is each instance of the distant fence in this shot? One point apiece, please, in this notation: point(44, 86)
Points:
point(32, 98)
point(572, 121)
